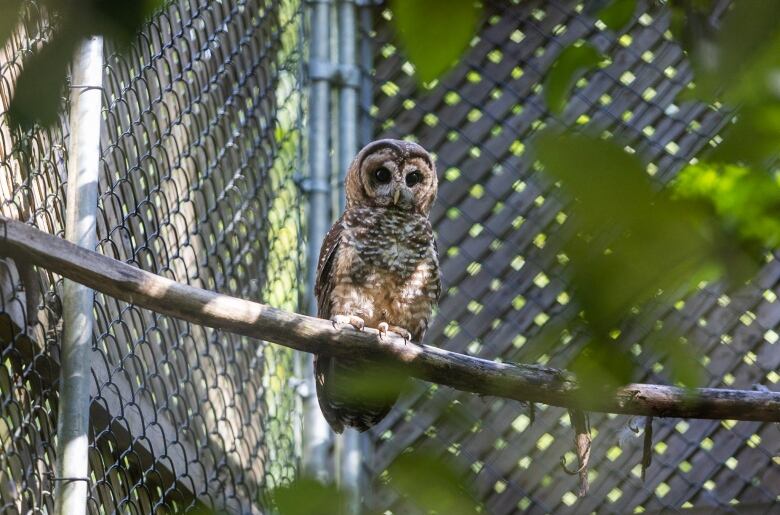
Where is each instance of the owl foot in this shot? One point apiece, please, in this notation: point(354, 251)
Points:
point(340, 321)
point(383, 327)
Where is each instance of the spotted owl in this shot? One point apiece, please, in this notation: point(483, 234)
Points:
point(378, 267)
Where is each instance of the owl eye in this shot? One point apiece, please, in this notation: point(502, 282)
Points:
point(382, 175)
point(413, 178)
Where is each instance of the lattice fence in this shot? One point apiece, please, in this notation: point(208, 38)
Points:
point(201, 137)
point(504, 280)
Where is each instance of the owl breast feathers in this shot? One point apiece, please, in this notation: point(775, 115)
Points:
point(378, 266)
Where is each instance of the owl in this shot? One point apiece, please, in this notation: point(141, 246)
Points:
point(378, 267)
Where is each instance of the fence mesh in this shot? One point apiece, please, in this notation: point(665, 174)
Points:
point(201, 138)
point(504, 280)
point(201, 141)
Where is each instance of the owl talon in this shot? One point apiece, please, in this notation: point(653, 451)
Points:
point(403, 333)
point(384, 327)
point(339, 321)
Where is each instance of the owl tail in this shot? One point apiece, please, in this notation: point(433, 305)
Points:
point(358, 394)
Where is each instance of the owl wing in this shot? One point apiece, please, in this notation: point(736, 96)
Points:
point(433, 288)
point(437, 275)
point(324, 282)
point(324, 366)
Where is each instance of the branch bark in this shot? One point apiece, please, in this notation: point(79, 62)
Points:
point(527, 383)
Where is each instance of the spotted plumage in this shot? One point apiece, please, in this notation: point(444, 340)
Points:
point(378, 267)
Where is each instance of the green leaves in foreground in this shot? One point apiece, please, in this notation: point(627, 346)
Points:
point(737, 62)
point(431, 484)
point(423, 479)
point(579, 58)
point(570, 65)
point(631, 240)
point(747, 201)
point(306, 496)
point(38, 93)
point(752, 139)
point(435, 33)
point(633, 244)
point(616, 13)
point(9, 12)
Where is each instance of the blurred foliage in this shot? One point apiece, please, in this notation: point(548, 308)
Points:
point(9, 16)
point(435, 33)
point(753, 137)
point(431, 484)
point(306, 496)
point(374, 383)
point(422, 478)
point(747, 201)
point(632, 244)
point(570, 65)
point(635, 244)
point(38, 93)
point(738, 61)
point(614, 14)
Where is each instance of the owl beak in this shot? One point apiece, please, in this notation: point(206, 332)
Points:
point(396, 196)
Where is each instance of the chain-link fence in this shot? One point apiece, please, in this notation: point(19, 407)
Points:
point(202, 140)
point(202, 134)
point(504, 279)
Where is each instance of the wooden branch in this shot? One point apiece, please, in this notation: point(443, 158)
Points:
point(528, 383)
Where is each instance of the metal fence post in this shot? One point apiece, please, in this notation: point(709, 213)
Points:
point(349, 456)
point(366, 93)
point(348, 86)
point(83, 162)
point(317, 434)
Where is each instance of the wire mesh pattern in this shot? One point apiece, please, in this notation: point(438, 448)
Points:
point(504, 279)
point(31, 189)
point(201, 138)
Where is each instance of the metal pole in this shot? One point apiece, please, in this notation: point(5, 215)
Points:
point(351, 467)
point(72, 474)
point(349, 454)
point(348, 91)
point(366, 66)
point(317, 434)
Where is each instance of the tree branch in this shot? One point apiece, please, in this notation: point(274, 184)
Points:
point(528, 383)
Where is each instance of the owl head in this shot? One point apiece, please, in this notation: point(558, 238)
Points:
point(394, 174)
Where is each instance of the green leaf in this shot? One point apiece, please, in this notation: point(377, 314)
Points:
point(435, 33)
point(631, 239)
point(119, 21)
point(9, 18)
point(39, 91)
point(632, 244)
point(739, 62)
point(431, 484)
point(682, 363)
point(746, 200)
point(753, 138)
point(372, 384)
point(617, 14)
point(305, 496)
point(601, 366)
point(570, 65)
